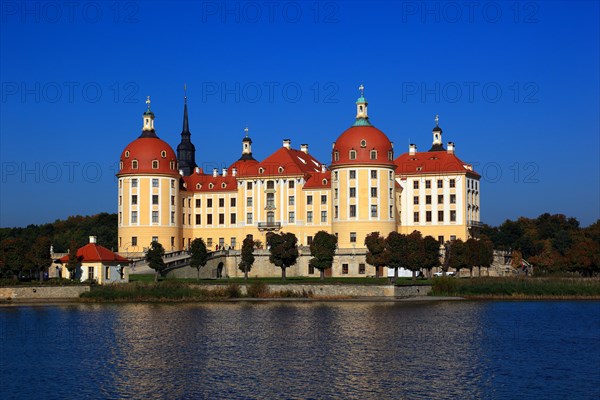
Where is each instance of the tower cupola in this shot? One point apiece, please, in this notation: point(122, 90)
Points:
point(362, 117)
point(437, 145)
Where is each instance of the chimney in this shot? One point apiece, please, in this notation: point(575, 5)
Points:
point(224, 171)
point(323, 168)
point(92, 239)
point(304, 148)
point(197, 170)
point(450, 147)
point(287, 143)
point(412, 149)
point(181, 172)
point(234, 171)
point(215, 172)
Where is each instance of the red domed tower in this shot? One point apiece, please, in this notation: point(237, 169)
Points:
point(148, 192)
point(362, 179)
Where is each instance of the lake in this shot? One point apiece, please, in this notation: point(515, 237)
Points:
point(316, 350)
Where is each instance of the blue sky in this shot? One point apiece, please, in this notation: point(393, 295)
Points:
point(516, 85)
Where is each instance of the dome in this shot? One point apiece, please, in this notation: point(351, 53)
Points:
point(362, 144)
point(152, 156)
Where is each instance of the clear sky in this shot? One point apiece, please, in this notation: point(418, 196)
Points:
point(516, 85)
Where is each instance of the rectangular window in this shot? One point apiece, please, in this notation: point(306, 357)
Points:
point(154, 199)
point(134, 217)
point(189, 202)
point(209, 243)
point(428, 199)
point(415, 184)
point(441, 239)
point(352, 210)
point(134, 183)
point(335, 212)
point(416, 216)
point(452, 199)
point(324, 199)
point(428, 184)
point(352, 174)
point(352, 192)
point(249, 202)
point(172, 200)
point(452, 183)
point(154, 217)
point(107, 273)
point(134, 199)
point(311, 270)
point(453, 215)
point(309, 240)
point(373, 192)
point(335, 193)
point(345, 269)
point(452, 237)
point(308, 200)
point(221, 219)
point(440, 184)
point(233, 242)
point(232, 202)
point(232, 218)
point(427, 216)
point(291, 184)
point(221, 202)
point(209, 219)
point(249, 185)
point(352, 237)
point(440, 216)
point(323, 216)
point(134, 240)
point(373, 174)
point(198, 203)
point(221, 243)
point(440, 199)
point(90, 273)
point(373, 210)
point(291, 217)
point(209, 203)
point(172, 217)
point(362, 269)
point(391, 211)
point(154, 182)
point(291, 200)
point(249, 218)
point(416, 200)
point(309, 217)
point(198, 219)
point(120, 218)
point(391, 193)
point(270, 199)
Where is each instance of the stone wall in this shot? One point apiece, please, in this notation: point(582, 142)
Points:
point(23, 293)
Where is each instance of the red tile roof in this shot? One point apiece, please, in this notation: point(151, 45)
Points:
point(244, 168)
point(286, 161)
point(93, 252)
point(431, 162)
point(362, 140)
point(200, 182)
point(318, 180)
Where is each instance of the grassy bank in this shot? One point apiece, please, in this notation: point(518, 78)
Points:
point(517, 287)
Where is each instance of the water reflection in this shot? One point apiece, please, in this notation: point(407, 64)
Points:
point(302, 350)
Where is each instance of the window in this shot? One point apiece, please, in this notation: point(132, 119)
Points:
point(390, 155)
point(232, 242)
point(309, 217)
point(291, 184)
point(415, 184)
point(452, 199)
point(134, 240)
point(391, 211)
point(361, 269)
point(209, 243)
point(335, 175)
point(198, 219)
point(154, 164)
point(440, 184)
point(291, 200)
point(134, 183)
point(270, 199)
point(352, 237)
point(352, 174)
point(311, 270)
point(440, 216)
point(428, 216)
point(270, 185)
point(221, 202)
point(428, 184)
point(452, 215)
point(134, 164)
point(120, 219)
point(291, 217)
point(452, 237)
point(373, 210)
point(323, 216)
point(335, 193)
point(416, 200)
point(373, 192)
point(134, 217)
point(391, 193)
point(452, 183)
point(172, 217)
point(428, 199)
point(134, 199)
point(90, 273)
point(232, 218)
point(353, 154)
point(154, 182)
point(209, 203)
point(363, 143)
point(441, 239)
point(373, 174)
point(323, 199)
point(154, 199)
point(440, 199)
point(335, 212)
point(120, 200)
point(308, 200)
point(352, 192)
point(416, 216)
point(173, 200)
point(198, 203)
point(336, 156)
point(107, 273)
point(249, 202)
point(373, 154)
point(249, 185)
point(345, 269)
point(352, 210)
point(221, 219)
point(154, 217)
point(249, 218)
point(209, 219)
point(232, 202)
point(173, 183)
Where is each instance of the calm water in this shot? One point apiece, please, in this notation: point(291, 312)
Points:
point(461, 350)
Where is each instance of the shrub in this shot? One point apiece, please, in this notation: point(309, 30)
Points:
point(233, 291)
point(258, 289)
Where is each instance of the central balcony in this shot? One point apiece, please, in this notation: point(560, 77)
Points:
point(269, 226)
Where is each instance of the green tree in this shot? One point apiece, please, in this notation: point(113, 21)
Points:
point(322, 249)
point(154, 258)
point(199, 254)
point(472, 255)
point(486, 253)
point(73, 262)
point(247, 256)
point(377, 255)
point(415, 252)
point(395, 254)
point(40, 256)
point(456, 254)
point(283, 249)
point(12, 256)
point(432, 254)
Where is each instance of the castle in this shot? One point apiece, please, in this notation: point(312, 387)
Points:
point(164, 196)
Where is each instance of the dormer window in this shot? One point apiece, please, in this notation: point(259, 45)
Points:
point(134, 164)
point(210, 186)
point(336, 155)
point(280, 169)
point(127, 154)
point(154, 164)
point(373, 154)
point(324, 181)
point(223, 185)
point(390, 155)
point(198, 186)
point(353, 154)
point(172, 164)
point(363, 143)
point(121, 165)
point(261, 170)
point(163, 154)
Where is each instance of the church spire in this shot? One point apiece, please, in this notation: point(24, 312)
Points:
point(437, 145)
point(362, 118)
point(186, 151)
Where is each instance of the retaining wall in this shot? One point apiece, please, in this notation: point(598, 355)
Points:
point(17, 293)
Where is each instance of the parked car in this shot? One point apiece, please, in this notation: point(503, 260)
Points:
point(441, 273)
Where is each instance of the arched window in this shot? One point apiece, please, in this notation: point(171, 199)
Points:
point(163, 154)
point(121, 165)
point(134, 164)
point(261, 170)
point(390, 155)
point(336, 155)
point(373, 154)
point(154, 164)
point(172, 164)
point(127, 154)
point(353, 154)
